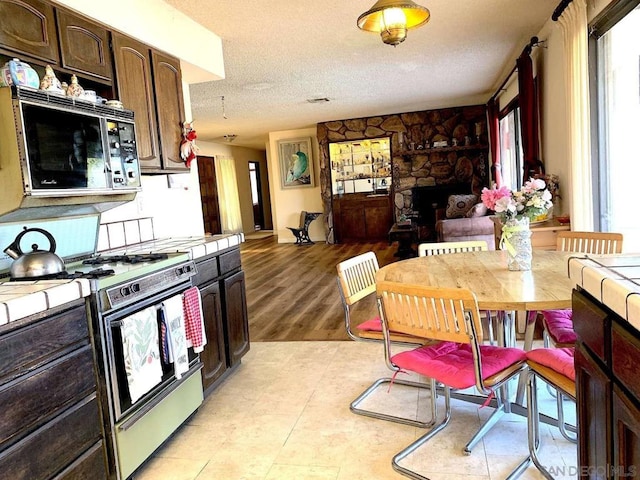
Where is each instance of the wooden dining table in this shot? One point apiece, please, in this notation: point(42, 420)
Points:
point(545, 287)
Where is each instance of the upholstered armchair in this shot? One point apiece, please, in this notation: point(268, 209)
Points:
point(464, 219)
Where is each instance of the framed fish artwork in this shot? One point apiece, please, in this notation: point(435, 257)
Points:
point(296, 163)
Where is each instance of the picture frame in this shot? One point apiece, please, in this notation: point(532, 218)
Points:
point(296, 163)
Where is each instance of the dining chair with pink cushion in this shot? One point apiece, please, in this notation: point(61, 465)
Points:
point(557, 324)
point(555, 366)
point(440, 248)
point(457, 359)
point(357, 281)
point(444, 248)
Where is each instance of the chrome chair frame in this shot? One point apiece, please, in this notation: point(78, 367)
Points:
point(356, 281)
point(451, 315)
point(533, 422)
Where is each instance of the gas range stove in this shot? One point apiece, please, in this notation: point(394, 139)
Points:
point(100, 266)
point(106, 271)
point(119, 280)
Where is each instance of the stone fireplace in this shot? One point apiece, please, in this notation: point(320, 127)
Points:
point(417, 158)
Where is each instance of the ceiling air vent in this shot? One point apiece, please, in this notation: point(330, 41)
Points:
point(318, 100)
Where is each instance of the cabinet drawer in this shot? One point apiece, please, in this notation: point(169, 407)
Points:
point(35, 398)
point(625, 352)
point(90, 465)
point(29, 347)
point(592, 325)
point(229, 261)
point(207, 271)
point(55, 445)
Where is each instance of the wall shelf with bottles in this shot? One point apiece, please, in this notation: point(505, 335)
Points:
point(360, 166)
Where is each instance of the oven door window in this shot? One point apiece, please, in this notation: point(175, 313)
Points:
point(64, 149)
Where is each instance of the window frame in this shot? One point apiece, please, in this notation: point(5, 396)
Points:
point(598, 27)
point(513, 107)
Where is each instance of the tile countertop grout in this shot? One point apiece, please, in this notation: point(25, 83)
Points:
point(19, 300)
point(197, 246)
point(613, 279)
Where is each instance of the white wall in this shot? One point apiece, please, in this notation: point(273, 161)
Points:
point(176, 212)
point(553, 113)
point(288, 203)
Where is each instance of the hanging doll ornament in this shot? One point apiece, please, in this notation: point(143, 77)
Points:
point(188, 147)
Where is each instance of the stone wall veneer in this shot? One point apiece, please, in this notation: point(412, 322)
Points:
point(433, 166)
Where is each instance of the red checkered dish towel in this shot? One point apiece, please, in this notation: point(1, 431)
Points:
point(193, 320)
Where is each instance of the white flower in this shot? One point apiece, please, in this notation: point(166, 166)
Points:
point(505, 205)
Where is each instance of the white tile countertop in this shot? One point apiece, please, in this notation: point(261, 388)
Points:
point(614, 280)
point(196, 247)
point(21, 299)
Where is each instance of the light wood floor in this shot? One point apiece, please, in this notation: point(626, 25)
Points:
point(292, 292)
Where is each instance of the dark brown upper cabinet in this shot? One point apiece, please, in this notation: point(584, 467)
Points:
point(28, 28)
point(84, 46)
point(167, 83)
point(149, 83)
point(135, 91)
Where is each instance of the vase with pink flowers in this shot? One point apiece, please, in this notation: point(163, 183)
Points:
point(516, 208)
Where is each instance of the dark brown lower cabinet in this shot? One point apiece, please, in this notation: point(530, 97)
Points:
point(222, 288)
point(50, 425)
point(626, 435)
point(213, 357)
point(234, 301)
point(361, 217)
point(608, 387)
point(594, 394)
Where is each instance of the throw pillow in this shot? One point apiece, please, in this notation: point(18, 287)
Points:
point(478, 210)
point(459, 205)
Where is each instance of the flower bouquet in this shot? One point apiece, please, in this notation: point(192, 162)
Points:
point(516, 208)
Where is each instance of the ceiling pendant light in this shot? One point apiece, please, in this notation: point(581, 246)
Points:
point(392, 18)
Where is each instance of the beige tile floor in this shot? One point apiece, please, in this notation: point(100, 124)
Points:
point(284, 415)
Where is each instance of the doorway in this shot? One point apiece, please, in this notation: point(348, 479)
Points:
point(256, 195)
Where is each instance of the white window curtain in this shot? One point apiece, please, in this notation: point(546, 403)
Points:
point(228, 198)
point(573, 23)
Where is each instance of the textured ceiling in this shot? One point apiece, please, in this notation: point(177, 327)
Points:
point(280, 53)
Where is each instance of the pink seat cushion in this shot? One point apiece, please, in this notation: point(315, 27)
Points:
point(557, 359)
point(559, 324)
point(452, 363)
point(373, 325)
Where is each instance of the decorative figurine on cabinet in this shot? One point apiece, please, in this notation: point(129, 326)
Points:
point(75, 90)
point(50, 82)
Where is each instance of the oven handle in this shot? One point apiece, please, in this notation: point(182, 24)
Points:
point(151, 404)
point(120, 323)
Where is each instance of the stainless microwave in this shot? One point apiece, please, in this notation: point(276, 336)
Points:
point(58, 150)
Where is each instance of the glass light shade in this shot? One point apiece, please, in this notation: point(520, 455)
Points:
point(393, 26)
point(392, 19)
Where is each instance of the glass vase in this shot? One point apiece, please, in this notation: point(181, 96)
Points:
point(516, 240)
